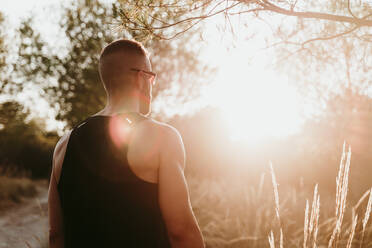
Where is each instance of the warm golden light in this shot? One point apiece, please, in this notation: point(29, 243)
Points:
point(256, 102)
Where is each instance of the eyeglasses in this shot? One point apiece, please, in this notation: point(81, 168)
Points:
point(149, 74)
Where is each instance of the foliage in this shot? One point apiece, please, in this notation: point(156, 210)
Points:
point(322, 45)
point(24, 145)
point(2, 47)
point(88, 26)
point(3, 54)
point(25, 148)
point(138, 15)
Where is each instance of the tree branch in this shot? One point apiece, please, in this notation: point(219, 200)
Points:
point(302, 45)
point(293, 5)
point(247, 11)
point(349, 9)
point(260, 5)
point(190, 19)
point(315, 15)
point(332, 36)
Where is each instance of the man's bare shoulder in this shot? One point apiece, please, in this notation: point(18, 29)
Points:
point(171, 141)
point(162, 127)
point(59, 153)
point(62, 142)
point(168, 134)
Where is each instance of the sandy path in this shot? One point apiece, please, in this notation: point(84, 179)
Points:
point(26, 225)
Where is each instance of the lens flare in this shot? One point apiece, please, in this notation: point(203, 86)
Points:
point(119, 130)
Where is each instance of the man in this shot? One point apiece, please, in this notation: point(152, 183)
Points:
point(118, 177)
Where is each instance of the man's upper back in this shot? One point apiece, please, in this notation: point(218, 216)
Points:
point(108, 182)
point(143, 149)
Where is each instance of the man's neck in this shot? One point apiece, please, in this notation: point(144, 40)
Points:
point(122, 105)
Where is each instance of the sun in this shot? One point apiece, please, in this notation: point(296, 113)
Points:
point(256, 102)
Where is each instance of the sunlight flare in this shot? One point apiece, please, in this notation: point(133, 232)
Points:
point(256, 102)
point(119, 130)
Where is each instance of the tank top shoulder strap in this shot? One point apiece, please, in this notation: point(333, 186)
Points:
point(133, 117)
point(78, 125)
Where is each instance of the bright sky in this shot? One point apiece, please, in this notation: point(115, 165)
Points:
point(256, 101)
point(14, 11)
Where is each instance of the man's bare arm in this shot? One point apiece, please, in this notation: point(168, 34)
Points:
point(174, 201)
point(55, 217)
point(56, 236)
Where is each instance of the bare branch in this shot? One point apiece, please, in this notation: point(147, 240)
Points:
point(190, 19)
point(293, 5)
point(349, 9)
point(281, 60)
point(169, 5)
point(196, 17)
point(331, 37)
point(365, 37)
point(310, 40)
point(315, 15)
point(247, 11)
point(258, 6)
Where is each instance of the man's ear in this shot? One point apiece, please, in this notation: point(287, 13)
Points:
point(139, 82)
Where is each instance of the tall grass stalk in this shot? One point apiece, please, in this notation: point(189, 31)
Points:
point(276, 193)
point(352, 232)
point(311, 225)
point(341, 195)
point(260, 186)
point(366, 216)
point(306, 223)
point(355, 208)
point(271, 239)
point(281, 238)
point(316, 228)
point(277, 206)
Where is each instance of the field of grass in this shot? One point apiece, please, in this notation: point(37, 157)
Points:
point(236, 214)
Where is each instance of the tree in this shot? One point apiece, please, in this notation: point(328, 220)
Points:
point(24, 144)
point(88, 26)
point(311, 39)
point(3, 54)
point(137, 15)
point(12, 114)
point(2, 48)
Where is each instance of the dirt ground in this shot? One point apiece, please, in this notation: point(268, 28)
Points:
point(26, 224)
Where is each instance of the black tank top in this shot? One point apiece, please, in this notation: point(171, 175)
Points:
point(104, 204)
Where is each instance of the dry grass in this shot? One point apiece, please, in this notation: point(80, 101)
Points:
point(311, 226)
point(13, 188)
point(235, 214)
